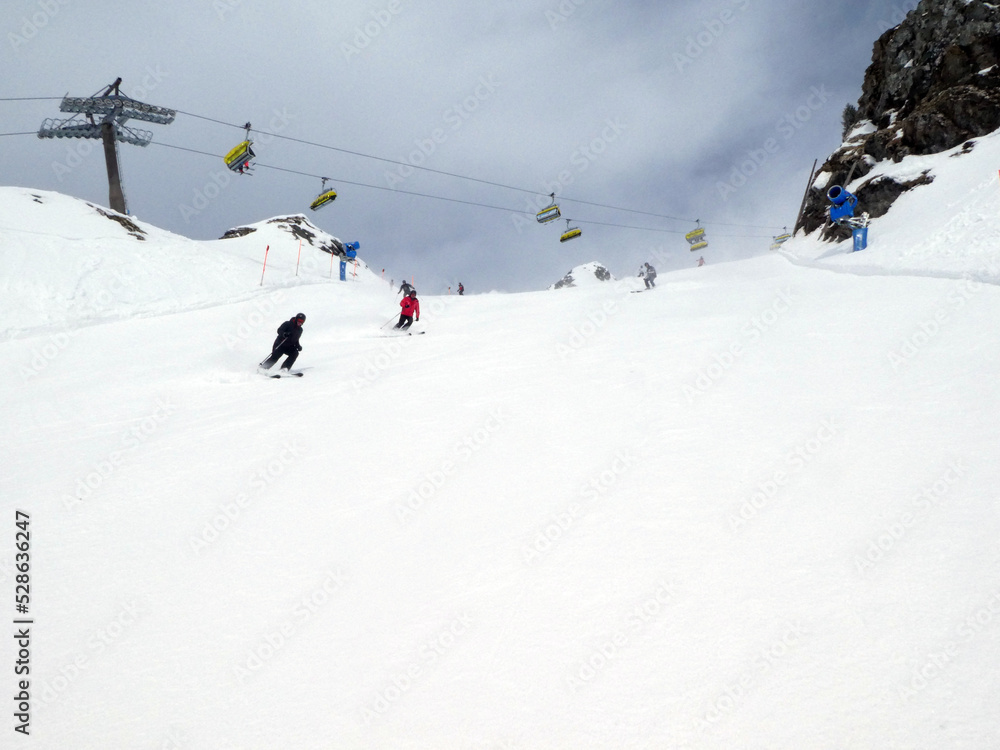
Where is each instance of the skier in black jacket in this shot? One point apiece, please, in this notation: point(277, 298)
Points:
point(287, 343)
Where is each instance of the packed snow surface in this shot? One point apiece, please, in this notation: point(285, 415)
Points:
point(754, 507)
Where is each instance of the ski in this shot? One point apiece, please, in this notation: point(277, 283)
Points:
point(276, 375)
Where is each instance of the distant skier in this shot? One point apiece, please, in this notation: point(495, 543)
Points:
point(701, 262)
point(406, 287)
point(648, 274)
point(461, 289)
point(287, 343)
point(410, 308)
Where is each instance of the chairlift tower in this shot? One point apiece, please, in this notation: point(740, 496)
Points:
point(104, 117)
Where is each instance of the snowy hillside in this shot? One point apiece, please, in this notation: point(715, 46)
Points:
point(67, 262)
point(947, 228)
point(752, 508)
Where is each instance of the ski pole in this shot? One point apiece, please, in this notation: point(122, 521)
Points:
point(387, 322)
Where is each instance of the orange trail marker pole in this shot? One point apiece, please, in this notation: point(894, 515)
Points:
point(265, 265)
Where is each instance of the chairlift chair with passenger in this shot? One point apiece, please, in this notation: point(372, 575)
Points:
point(239, 157)
point(696, 237)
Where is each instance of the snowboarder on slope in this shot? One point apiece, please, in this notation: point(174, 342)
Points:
point(287, 343)
point(461, 289)
point(410, 307)
point(648, 274)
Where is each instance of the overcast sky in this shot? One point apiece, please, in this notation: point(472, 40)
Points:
point(652, 106)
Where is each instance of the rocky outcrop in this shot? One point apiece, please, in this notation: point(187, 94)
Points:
point(933, 84)
point(299, 227)
point(588, 273)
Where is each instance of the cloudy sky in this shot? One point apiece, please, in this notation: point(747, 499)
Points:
point(694, 109)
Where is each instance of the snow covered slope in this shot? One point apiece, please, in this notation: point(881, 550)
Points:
point(754, 507)
point(67, 262)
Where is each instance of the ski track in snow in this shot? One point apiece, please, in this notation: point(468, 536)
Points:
point(754, 509)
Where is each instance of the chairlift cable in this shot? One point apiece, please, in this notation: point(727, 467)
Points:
point(421, 168)
point(427, 195)
point(466, 177)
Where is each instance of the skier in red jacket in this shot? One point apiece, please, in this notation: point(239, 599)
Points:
point(410, 308)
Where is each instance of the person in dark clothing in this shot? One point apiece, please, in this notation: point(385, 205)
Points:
point(410, 307)
point(287, 343)
point(461, 289)
point(648, 274)
point(406, 287)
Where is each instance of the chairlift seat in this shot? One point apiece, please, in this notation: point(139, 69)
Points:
point(547, 214)
point(570, 234)
point(238, 159)
point(695, 236)
point(322, 199)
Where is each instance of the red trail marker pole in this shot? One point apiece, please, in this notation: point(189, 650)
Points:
point(298, 259)
point(265, 265)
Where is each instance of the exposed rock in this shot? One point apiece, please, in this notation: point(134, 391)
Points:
point(933, 84)
point(586, 274)
point(131, 226)
point(299, 227)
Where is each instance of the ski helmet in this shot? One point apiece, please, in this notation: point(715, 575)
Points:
point(301, 317)
point(413, 292)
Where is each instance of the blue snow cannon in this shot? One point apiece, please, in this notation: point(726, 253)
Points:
point(351, 249)
point(843, 204)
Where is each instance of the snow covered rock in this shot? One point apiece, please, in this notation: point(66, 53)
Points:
point(585, 275)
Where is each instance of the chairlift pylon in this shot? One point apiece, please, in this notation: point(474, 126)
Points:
point(325, 196)
point(550, 212)
point(239, 157)
point(571, 233)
